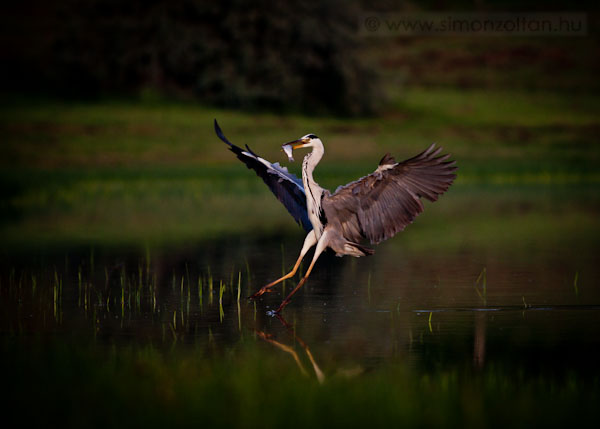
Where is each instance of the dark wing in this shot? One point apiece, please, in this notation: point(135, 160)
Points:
point(381, 204)
point(287, 188)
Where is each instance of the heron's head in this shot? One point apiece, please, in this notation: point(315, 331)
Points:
point(309, 140)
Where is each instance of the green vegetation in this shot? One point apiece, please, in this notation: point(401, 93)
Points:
point(503, 131)
point(251, 385)
point(121, 171)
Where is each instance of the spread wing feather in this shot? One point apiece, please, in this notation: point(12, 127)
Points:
point(285, 186)
point(379, 205)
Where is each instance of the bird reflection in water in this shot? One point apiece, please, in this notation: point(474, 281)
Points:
point(270, 338)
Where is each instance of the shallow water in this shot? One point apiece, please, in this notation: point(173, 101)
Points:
point(533, 309)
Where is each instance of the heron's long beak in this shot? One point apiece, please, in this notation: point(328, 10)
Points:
point(289, 147)
point(296, 144)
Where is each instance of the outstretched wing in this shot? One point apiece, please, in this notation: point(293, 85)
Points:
point(287, 188)
point(379, 205)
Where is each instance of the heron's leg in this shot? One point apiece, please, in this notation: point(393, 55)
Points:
point(321, 245)
point(309, 242)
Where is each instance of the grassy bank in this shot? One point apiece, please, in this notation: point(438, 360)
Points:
point(176, 207)
point(485, 129)
point(123, 171)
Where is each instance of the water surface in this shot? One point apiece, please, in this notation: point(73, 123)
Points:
point(486, 308)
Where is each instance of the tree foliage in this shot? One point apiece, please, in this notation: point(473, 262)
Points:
point(296, 55)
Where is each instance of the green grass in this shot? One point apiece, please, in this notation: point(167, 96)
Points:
point(481, 126)
point(115, 171)
point(178, 207)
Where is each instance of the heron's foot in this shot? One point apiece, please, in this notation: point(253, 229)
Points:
point(255, 295)
point(277, 313)
point(260, 292)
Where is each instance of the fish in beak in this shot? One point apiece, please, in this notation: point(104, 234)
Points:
point(289, 147)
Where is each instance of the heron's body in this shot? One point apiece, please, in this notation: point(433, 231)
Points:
point(373, 208)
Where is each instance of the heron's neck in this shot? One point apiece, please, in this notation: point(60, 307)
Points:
point(314, 192)
point(308, 166)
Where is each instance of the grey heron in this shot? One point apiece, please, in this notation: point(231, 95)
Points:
point(373, 208)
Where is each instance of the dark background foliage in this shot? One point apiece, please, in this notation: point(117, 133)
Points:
point(237, 53)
